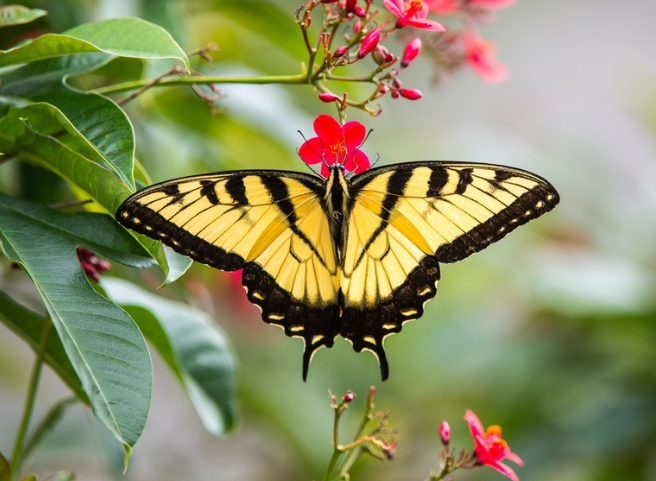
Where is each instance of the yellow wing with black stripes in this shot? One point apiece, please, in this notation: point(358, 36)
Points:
point(404, 219)
point(270, 223)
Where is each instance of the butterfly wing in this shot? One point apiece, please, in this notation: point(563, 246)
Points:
point(406, 218)
point(270, 223)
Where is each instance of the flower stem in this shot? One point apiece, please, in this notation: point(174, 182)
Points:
point(299, 79)
point(31, 397)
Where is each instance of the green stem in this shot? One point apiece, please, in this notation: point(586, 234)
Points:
point(31, 397)
point(299, 79)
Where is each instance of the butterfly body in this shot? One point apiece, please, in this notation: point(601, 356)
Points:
point(356, 257)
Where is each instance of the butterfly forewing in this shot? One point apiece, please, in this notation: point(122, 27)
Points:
point(272, 224)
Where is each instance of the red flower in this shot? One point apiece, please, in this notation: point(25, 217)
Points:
point(480, 55)
point(336, 144)
point(413, 13)
point(490, 449)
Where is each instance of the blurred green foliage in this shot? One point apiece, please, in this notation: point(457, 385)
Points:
point(551, 334)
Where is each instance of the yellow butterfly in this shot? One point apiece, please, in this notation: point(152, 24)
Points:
point(352, 256)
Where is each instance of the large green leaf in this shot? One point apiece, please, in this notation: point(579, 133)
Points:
point(123, 37)
point(102, 342)
point(99, 183)
point(17, 15)
point(193, 346)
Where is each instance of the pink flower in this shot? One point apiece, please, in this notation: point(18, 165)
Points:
point(490, 449)
point(480, 55)
point(443, 7)
point(412, 13)
point(336, 144)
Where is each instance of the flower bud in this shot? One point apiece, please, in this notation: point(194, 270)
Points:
point(349, 5)
point(411, 94)
point(360, 12)
point(412, 49)
point(381, 55)
point(357, 26)
point(445, 433)
point(369, 42)
point(340, 51)
point(348, 397)
point(328, 97)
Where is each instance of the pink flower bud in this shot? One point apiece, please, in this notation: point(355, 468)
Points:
point(328, 97)
point(340, 51)
point(412, 49)
point(360, 12)
point(411, 94)
point(357, 26)
point(445, 433)
point(369, 42)
point(348, 397)
point(349, 5)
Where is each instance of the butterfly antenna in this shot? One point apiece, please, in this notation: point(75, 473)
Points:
point(297, 153)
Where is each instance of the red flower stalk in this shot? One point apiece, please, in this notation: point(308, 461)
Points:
point(336, 145)
point(480, 55)
point(412, 13)
point(411, 51)
point(490, 449)
point(369, 42)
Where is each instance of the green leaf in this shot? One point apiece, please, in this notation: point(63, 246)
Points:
point(17, 15)
point(130, 37)
point(99, 183)
point(28, 326)
point(194, 347)
point(102, 342)
point(123, 37)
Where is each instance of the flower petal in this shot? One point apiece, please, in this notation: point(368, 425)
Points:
point(475, 425)
point(327, 128)
point(312, 150)
point(510, 456)
point(357, 163)
point(505, 470)
point(394, 6)
point(426, 24)
point(354, 134)
point(325, 171)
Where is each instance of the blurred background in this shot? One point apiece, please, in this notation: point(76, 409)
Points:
point(550, 333)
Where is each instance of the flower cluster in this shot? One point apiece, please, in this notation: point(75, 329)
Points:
point(489, 448)
point(465, 46)
point(354, 30)
point(91, 264)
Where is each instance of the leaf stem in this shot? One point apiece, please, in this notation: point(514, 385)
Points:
point(16, 458)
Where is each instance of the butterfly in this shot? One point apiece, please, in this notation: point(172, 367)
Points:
point(356, 256)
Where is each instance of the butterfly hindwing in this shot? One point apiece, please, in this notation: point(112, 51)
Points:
point(406, 218)
point(270, 223)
